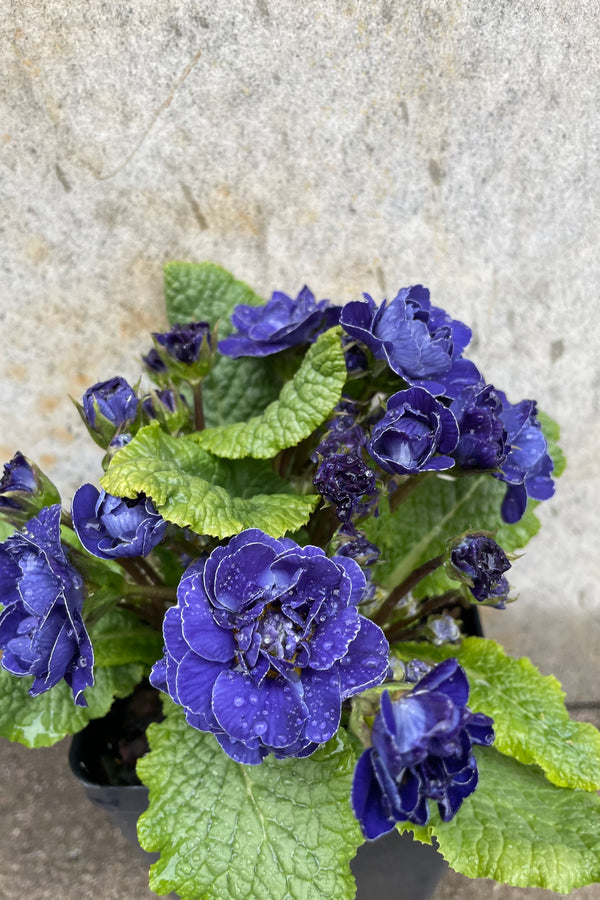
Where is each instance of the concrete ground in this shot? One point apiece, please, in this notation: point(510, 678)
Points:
point(54, 845)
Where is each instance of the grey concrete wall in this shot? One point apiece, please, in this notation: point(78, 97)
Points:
point(351, 145)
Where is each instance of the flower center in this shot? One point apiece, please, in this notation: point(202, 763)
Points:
point(279, 636)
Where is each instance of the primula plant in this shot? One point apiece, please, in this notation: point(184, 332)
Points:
point(300, 507)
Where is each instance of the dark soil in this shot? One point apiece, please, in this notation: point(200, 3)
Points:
point(110, 747)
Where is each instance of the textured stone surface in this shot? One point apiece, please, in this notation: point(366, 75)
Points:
point(355, 146)
point(361, 147)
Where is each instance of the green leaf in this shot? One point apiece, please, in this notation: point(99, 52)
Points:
point(203, 292)
point(6, 529)
point(236, 389)
point(304, 404)
point(520, 829)
point(43, 720)
point(437, 510)
point(530, 719)
point(551, 431)
point(283, 829)
point(120, 637)
point(190, 487)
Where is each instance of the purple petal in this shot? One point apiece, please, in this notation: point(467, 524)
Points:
point(250, 754)
point(366, 662)
point(173, 634)
point(202, 633)
point(367, 799)
point(272, 711)
point(322, 699)
point(332, 636)
point(195, 682)
point(448, 677)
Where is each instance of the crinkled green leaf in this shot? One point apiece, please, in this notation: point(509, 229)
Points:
point(520, 829)
point(120, 637)
point(191, 487)
point(304, 404)
point(236, 389)
point(203, 292)
point(43, 720)
point(437, 510)
point(283, 830)
point(530, 718)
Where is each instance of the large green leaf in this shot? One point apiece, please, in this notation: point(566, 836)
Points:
point(120, 637)
point(190, 487)
point(530, 718)
point(304, 404)
point(282, 830)
point(203, 292)
point(43, 720)
point(439, 509)
point(235, 389)
point(520, 829)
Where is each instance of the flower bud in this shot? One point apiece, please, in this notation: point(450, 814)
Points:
point(24, 490)
point(155, 367)
point(479, 562)
point(186, 351)
point(109, 407)
point(169, 407)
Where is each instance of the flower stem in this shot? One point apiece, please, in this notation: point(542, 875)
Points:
point(153, 591)
point(404, 490)
point(407, 585)
point(199, 423)
point(430, 605)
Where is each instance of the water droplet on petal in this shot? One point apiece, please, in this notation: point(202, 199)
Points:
point(238, 701)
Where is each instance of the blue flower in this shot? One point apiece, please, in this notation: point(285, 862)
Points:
point(112, 527)
point(528, 466)
point(264, 644)
point(421, 751)
point(418, 340)
point(483, 441)
point(481, 563)
point(41, 628)
point(279, 324)
point(416, 434)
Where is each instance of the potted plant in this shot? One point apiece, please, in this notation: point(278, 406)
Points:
point(298, 515)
